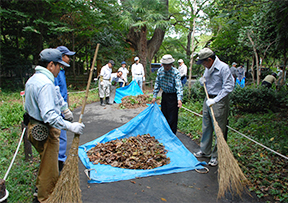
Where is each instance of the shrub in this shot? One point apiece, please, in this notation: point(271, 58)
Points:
point(251, 99)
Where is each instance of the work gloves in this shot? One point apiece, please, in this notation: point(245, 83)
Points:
point(76, 128)
point(143, 78)
point(68, 115)
point(202, 80)
point(210, 102)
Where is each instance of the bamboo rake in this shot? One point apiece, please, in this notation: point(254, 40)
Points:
point(67, 188)
point(230, 176)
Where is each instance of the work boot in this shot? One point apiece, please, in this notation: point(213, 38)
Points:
point(102, 102)
point(107, 100)
point(60, 165)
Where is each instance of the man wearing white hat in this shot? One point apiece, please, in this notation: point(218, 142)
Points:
point(219, 83)
point(138, 73)
point(168, 79)
point(183, 71)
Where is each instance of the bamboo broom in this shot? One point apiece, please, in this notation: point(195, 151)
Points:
point(230, 176)
point(67, 188)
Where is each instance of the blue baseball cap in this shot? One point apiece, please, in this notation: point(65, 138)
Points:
point(65, 50)
point(52, 55)
point(123, 62)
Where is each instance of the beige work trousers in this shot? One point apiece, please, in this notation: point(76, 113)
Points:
point(48, 171)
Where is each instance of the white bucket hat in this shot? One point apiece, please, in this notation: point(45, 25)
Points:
point(167, 59)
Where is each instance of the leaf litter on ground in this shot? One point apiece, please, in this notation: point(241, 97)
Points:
point(140, 152)
point(133, 102)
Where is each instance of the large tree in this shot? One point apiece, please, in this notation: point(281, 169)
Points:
point(146, 21)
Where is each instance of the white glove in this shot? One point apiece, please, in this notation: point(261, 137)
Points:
point(143, 78)
point(210, 102)
point(68, 115)
point(202, 80)
point(102, 83)
point(76, 128)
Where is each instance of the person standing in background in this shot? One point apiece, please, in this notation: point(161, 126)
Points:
point(104, 85)
point(168, 79)
point(241, 76)
point(125, 72)
point(219, 83)
point(61, 82)
point(138, 73)
point(233, 70)
point(183, 71)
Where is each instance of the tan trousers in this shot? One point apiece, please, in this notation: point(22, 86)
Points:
point(48, 171)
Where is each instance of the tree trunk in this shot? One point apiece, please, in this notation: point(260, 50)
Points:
point(192, 46)
point(252, 70)
point(142, 48)
point(256, 57)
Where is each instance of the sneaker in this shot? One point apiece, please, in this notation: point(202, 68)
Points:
point(213, 162)
point(201, 154)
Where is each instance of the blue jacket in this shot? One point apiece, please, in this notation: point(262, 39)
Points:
point(61, 82)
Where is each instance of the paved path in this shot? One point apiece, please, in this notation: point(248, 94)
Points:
point(187, 186)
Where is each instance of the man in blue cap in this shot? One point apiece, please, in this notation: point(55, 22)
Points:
point(44, 105)
point(61, 82)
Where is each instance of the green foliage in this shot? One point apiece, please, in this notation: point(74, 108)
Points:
point(189, 123)
point(197, 93)
point(253, 99)
point(10, 115)
point(265, 170)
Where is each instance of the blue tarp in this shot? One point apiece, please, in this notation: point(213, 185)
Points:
point(151, 121)
point(240, 84)
point(132, 89)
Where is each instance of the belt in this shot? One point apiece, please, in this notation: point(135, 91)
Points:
point(169, 93)
point(106, 79)
point(34, 121)
point(212, 96)
point(138, 74)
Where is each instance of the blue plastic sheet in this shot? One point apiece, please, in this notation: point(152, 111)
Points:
point(151, 121)
point(240, 84)
point(132, 89)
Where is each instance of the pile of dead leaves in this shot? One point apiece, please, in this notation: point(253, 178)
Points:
point(133, 102)
point(141, 152)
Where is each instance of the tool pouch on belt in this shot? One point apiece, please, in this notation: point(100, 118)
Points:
point(40, 130)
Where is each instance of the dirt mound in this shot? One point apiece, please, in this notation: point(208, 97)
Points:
point(133, 102)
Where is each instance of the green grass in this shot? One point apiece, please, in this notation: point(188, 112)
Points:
point(22, 177)
point(266, 171)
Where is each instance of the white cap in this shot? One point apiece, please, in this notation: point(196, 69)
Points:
point(136, 58)
point(180, 61)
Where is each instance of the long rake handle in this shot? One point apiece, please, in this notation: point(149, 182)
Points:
point(89, 82)
point(212, 112)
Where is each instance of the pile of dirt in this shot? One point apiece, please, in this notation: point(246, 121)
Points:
point(133, 102)
point(141, 152)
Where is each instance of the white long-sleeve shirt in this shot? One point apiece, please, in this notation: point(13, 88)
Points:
point(219, 80)
point(137, 70)
point(106, 72)
point(182, 70)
